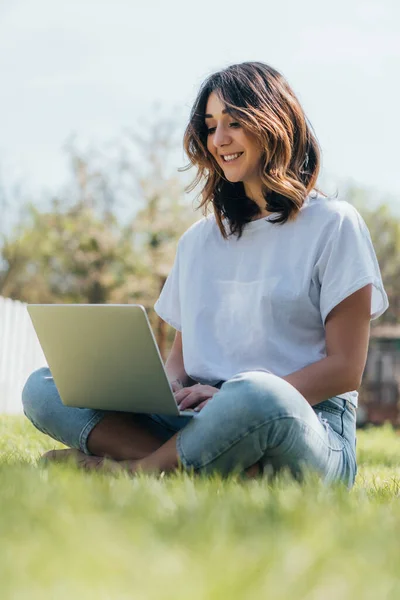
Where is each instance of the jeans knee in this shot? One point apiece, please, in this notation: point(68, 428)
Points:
point(252, 412)
point(264, 395)
point(35, 397)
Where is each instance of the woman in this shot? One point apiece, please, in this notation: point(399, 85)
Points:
point(271, 297)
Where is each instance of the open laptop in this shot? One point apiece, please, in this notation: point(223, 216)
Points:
point(104, 356)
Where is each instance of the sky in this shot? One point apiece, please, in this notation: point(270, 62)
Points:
point(94, 67)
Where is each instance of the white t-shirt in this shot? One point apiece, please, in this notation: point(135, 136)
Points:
point(260, 302)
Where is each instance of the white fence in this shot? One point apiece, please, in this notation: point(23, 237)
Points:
point(20, 353)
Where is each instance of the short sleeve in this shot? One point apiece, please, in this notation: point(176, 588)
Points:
point(168, 304)
point(347, 263)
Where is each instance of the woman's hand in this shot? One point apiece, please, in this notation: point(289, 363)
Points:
point(195, 396)
point(177, 385)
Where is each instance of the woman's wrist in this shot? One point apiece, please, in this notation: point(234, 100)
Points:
point(177, 384)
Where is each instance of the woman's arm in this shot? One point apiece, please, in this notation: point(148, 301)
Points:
point(347, 335)
point(174, 364)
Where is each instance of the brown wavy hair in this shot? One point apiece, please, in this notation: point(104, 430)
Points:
point(264, 104)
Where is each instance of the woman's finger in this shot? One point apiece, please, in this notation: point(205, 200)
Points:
point(192, 396)
point(181, 394)
point(193, 399)
point(202, 405)
point(190, 401)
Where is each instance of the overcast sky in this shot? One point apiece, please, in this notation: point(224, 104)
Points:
point(93, 67)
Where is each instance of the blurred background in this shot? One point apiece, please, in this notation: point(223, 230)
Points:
point(94, 100)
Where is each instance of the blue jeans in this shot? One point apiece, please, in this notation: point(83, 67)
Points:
point(254, 417)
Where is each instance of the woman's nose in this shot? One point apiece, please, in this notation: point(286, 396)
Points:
point(221, 137)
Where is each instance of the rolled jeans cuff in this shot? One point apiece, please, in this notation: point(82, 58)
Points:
point(86, 431)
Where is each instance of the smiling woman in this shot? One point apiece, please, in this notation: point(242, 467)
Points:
point(236, 150)
point(252, 144)
point(271, 297)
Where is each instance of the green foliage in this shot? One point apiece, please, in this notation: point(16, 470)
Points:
point(68, 256)
point(78, 251)
point(68, 534)
point(384, 227)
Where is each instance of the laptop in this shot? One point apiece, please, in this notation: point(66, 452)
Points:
point(104, 356)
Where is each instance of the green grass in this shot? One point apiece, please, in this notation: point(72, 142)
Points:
point(68, 534)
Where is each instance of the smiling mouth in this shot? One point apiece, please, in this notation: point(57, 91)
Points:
point(230, 158)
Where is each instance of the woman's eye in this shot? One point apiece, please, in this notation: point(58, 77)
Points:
point(212, 129)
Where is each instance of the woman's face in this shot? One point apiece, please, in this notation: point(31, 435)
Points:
point(226, 139)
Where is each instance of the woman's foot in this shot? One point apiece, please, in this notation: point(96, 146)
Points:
point(253, 471)
point(81, 460)
point(66, 455)
point(100, 463)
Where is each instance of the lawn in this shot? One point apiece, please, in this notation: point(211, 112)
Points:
point(68, 534)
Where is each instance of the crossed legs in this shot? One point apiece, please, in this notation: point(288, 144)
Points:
point(254, 418)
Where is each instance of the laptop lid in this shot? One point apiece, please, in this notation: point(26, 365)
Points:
point(104, 356)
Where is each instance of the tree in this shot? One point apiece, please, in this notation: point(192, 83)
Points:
point(384, 227)
point(66, 256)
point(163, 217)
point(78, 250)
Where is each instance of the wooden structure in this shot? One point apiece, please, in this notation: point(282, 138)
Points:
point(379, 395)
